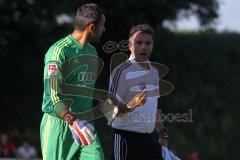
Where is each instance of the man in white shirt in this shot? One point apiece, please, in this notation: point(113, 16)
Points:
point(133, 127)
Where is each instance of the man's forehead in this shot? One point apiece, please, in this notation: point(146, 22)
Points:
point(141, 35)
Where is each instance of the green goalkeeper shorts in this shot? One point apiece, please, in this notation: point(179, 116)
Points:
point(57, 142)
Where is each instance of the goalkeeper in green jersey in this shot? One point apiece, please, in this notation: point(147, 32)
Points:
point(71, 62)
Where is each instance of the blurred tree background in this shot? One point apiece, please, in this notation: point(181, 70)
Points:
point(204, 68)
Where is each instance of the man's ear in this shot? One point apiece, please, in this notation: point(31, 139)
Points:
point(130, 44)
point(91, 27)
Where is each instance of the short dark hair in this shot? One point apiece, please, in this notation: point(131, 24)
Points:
point(144, 28)
point(87, 14)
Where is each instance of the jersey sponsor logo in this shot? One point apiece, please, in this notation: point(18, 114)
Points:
point(148, 88)
point(52, 69)
point(142, 85)
point(87, 76)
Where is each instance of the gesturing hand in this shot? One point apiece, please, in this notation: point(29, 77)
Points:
point(138, 100)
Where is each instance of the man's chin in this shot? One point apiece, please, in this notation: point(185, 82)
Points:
point(144, 58)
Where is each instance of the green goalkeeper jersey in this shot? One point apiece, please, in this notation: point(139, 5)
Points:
point(69, 66)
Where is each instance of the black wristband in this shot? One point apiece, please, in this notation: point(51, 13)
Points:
point(69, 118)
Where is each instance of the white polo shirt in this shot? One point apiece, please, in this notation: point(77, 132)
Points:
point(128, 79)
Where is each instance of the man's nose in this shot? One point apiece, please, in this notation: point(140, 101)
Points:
point(143, 46)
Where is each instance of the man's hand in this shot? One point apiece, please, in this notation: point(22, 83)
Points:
point(138, 100)
point(82, 132)
point(163, 136)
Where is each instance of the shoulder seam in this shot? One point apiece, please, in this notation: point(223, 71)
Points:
point(117, 76)
point(58, 48)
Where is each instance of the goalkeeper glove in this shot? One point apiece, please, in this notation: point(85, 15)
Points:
point(82, 131)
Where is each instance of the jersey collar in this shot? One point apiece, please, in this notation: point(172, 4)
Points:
point(79, 45)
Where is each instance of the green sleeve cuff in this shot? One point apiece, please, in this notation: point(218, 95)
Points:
point(60, 106)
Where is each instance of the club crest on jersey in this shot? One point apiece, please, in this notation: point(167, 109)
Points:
point(52, 69)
